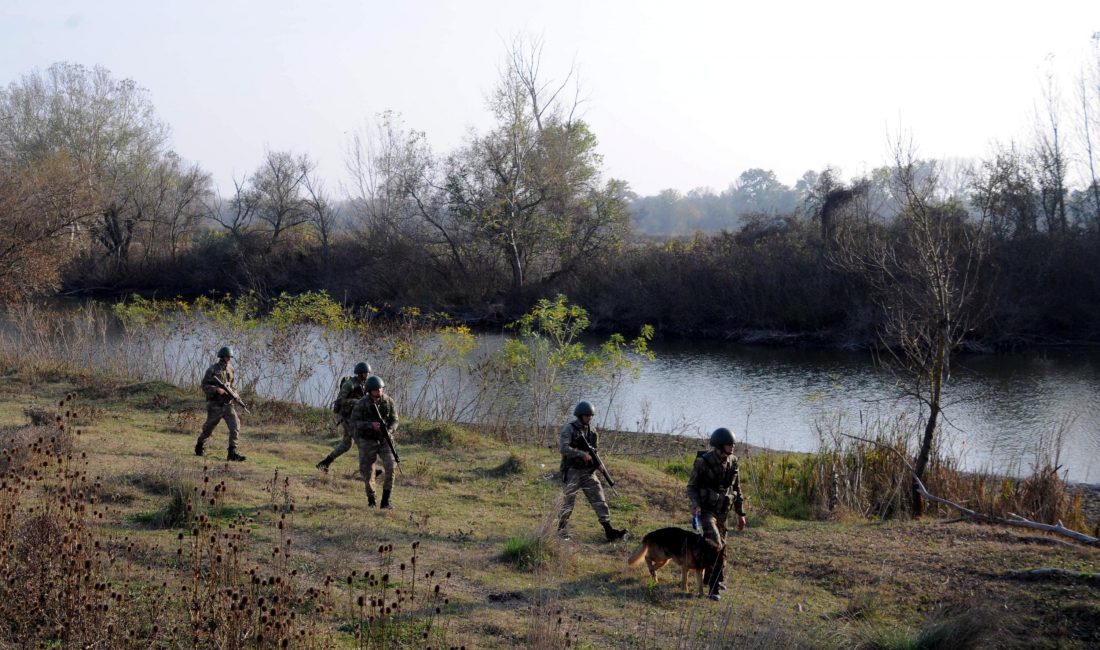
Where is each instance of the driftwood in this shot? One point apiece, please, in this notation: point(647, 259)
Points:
point(1011, 520)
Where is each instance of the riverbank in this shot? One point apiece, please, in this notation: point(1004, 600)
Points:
point(472, 504)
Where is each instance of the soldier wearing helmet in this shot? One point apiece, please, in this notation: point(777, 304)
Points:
point(219, 404)
point(352, 389)
point(579, 472)
point(371, 418)
point(714, 488)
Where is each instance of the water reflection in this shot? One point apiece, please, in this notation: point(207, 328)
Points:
point(999, 409)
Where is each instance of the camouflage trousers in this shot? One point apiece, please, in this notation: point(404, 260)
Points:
point(713, 525)
point(343, 445)
point(216, 412)
point(583, 479)
point(370, 451)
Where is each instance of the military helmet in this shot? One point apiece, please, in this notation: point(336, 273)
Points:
point(225, 352)
point(721, 437)
point(374, 382)
point(583, 408)
point(362, 368)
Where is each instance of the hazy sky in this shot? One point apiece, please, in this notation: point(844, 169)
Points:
point(680, 94)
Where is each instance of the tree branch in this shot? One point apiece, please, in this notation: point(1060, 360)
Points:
point(1012, 520)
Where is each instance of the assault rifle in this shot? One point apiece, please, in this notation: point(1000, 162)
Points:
point(234, 398)
point(596, 457)
point(386, 432)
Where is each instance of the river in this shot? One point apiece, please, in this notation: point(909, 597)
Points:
point(1000, 409)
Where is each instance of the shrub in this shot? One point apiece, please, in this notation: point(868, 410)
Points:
point(528, 553)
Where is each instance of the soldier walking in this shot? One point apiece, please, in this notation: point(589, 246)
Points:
point(715, 487)
point(374, 421)
point(352, 389)
point(578, 469)
point(219, 403)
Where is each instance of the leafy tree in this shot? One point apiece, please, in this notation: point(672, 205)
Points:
point(532, 185)
point(759, 191)
point(110, 134)
point(547, 344)
point(42, 205)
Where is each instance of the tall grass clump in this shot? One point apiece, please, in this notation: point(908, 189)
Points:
point(944, 631)
point(61, 584)
point(395, 603)
point(868, 473)
point(64, 583)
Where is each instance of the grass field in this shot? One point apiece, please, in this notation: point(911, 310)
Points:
point(474, 517)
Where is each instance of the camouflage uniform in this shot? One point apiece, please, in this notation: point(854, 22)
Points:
point(715, 486)
point(578, 474)
point(352, 389)
point(372, 444)
point(219, 407)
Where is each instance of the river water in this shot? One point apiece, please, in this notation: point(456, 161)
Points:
point(1000, 408)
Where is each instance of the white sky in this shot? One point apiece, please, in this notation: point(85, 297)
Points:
point(680, 94)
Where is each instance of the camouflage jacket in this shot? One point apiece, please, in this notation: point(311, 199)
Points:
point(210, 388)
point(365, 412)
point(572, 450)
point(715, 485)
point(351, 391)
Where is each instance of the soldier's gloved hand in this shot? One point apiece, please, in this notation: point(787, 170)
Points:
point(375, 425)
point(220, 391)
point(587, 458)
point(741, 523)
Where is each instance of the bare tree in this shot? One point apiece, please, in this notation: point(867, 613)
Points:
point(323, 215)
point(172, 199)
point(398, 193)
point(1004, 192)
point(279, 192)
point(237, 214)
point(1049, 158)
point(923, 269)
point(1089, 91)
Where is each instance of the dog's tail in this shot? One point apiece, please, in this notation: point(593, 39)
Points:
point(639, 554)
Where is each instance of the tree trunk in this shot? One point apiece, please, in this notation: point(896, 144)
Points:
point(939, 367)
point(517, 266)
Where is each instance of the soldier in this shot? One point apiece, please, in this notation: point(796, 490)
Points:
point(352, 389)
point(713, 488)
point(219, 404)
point(578, 470)
point(372, 418)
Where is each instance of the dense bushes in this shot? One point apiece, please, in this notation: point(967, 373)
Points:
point(770, 282)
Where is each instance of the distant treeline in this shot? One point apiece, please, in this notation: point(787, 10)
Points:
point(93, 202)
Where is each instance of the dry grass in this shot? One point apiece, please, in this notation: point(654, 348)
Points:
point(333, 573)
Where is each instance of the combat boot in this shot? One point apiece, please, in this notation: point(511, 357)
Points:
point(234, 456)
point(563, 530)
point(370, 500)
point(323, 465)
point(717, 582)
point(386, 505)
point(613, 533)
point(199, 451)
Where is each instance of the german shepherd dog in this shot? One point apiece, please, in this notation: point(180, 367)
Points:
point(691, 551)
